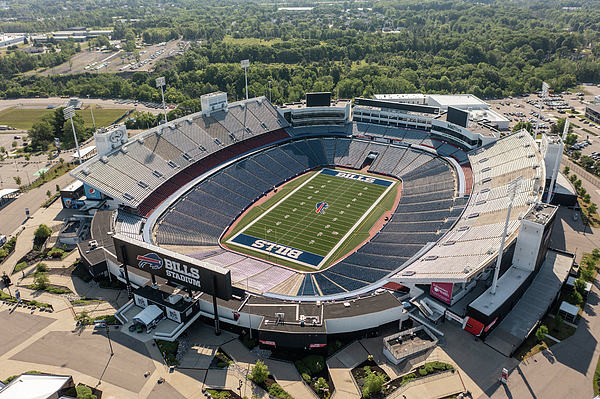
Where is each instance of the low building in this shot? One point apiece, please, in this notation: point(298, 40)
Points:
point(38, 386)
point(592, 112)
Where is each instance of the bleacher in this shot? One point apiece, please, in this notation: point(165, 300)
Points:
point(133, 172)
point(477, 228)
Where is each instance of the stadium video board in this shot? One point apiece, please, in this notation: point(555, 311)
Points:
point(180, 269)
point(458, 117)
point(318, 99)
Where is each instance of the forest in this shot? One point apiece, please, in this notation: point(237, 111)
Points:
point(489, 49)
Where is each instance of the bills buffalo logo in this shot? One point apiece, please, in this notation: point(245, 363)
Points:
point(151, 260)
point(321, 206)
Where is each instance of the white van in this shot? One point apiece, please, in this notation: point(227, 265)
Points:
point(2, 241)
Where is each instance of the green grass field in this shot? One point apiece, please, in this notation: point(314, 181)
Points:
point(289, 221)
point(25, 118)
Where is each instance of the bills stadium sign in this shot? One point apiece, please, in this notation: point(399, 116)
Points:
point(180, 269)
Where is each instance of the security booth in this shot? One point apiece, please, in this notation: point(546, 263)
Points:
point(149, 317)
point(568, 312)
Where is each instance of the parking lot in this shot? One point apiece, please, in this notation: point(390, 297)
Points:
point(525, 109)
point(97, 61)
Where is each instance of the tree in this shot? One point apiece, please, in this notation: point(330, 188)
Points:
point(541, 332)
point(2, 149)
point(566, 170)
point(41, 280)
point(575, 298)
point(580, 285)
point(587, 162)
point(576, 155)
point(260, 372)
point(61, 160)
point(322, 387)
point(17, 180)
point(592, 209)
point(373, 382)
point(14, 144)
point(42, 232)
point(57, 188)
point(571, 138)
point(523, 125)
point(558, 320)
point(49, 193)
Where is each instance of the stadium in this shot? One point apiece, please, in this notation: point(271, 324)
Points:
point(320, 218)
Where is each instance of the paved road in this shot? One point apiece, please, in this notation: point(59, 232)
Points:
point(12, 215)
point(566, 370)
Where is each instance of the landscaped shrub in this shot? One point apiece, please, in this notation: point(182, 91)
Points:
point(55, 253)
point(373, 382)
point(260, 372)
point(306, 378)
point(302, 369)
point(222, 364)
point(423, 372)
point(314, 363)
point(277, 391)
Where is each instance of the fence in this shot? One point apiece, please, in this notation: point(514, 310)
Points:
point(420, 381)
point(578, 170)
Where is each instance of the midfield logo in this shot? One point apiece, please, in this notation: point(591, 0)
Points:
point(321, 206)
point(151, 260)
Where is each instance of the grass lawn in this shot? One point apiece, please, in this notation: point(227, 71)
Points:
point(25, 118)
point(597, 379)
point(530, 347)
point(313, 223)
point(250, 41)
point(593, 219)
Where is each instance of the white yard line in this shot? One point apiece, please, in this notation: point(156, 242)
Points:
point(271, 208)
point(353, 229)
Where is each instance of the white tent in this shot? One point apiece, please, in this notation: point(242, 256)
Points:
point(152, 314)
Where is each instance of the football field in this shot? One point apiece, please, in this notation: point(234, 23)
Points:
point(309, 224)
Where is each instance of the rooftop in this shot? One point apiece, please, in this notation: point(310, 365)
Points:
point(34, 386)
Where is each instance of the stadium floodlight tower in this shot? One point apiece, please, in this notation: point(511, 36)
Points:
point(245, 64)
point(545, 89)
point(69, 113)
point(92, 111)
point(160, 82)
point(513, 186)
point(557, 161)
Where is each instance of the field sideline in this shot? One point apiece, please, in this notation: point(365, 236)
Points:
point(314, 220)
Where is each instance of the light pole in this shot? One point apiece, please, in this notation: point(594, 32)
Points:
point(561, 148)
point(109, 342)
point(245, 64)
point(92, 111)
point(160, 82)
point(545, 88)
point(513, 186)
point(69, 112)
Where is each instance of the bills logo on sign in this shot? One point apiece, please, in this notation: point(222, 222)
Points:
point(352, 176)
point(151, 260)
point(91, 190)
point(321, 206)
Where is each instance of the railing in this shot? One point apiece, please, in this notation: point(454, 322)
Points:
point(420, 381)
point(412, 351)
